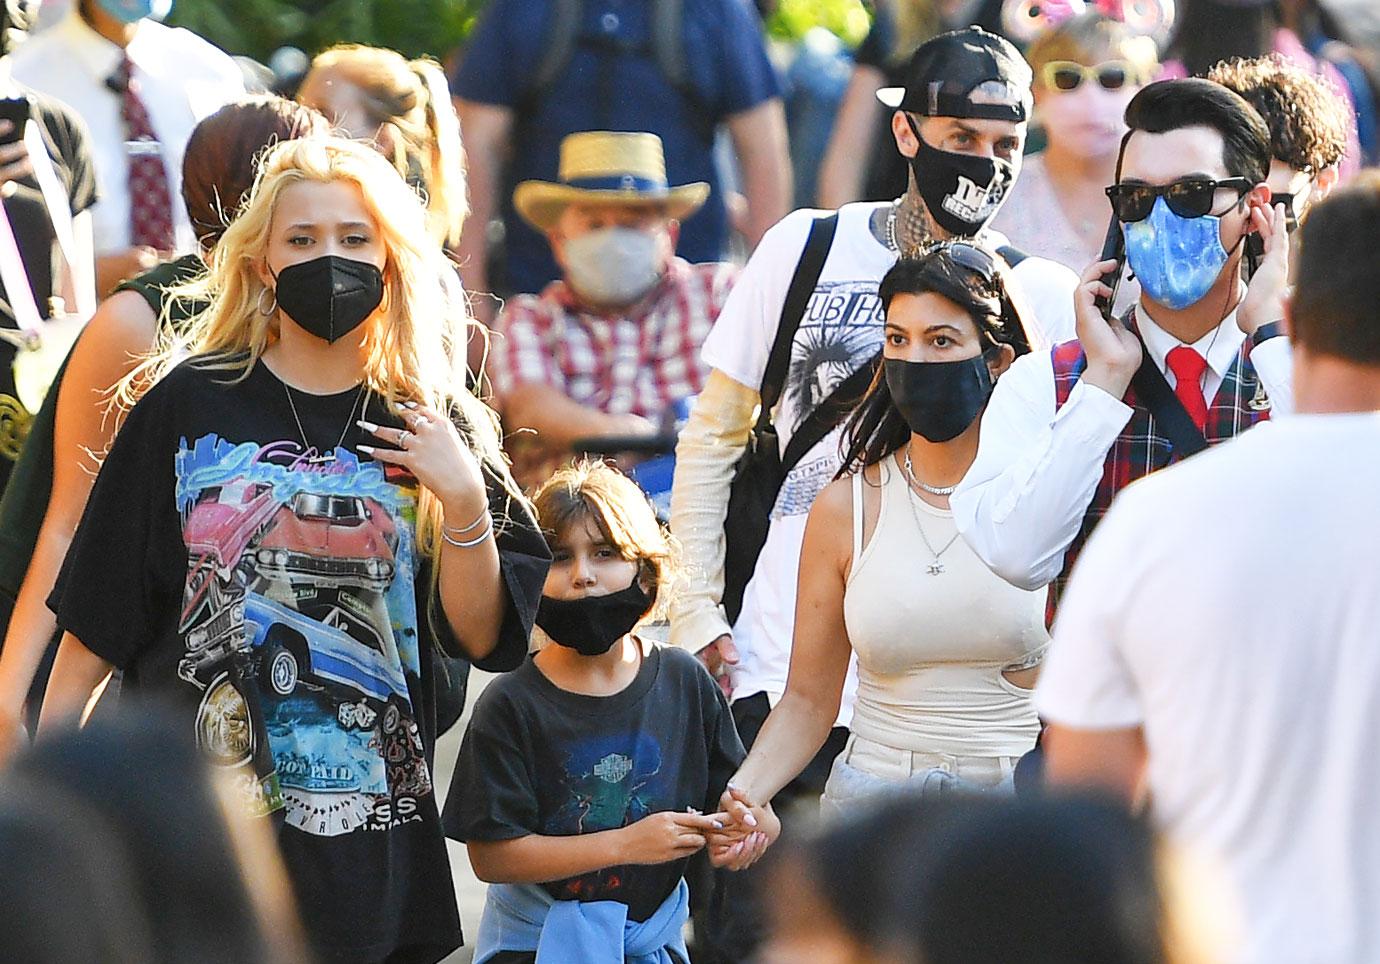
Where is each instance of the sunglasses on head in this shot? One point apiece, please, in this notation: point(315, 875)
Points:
point(1065, 75)
point(1189, 197)
point(964, 255)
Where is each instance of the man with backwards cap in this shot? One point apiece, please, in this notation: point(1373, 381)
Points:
point(960, 122)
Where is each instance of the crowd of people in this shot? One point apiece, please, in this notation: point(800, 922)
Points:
point(820, 625)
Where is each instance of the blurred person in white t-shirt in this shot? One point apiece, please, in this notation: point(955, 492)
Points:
point(1216, 650)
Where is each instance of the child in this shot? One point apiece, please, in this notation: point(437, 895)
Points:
point(583, 774)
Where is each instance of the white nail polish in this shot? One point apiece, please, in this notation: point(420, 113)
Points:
point(367, 426)
point(366, 449)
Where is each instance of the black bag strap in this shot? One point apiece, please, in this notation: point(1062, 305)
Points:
point(803, 282)
point(828, 414)
point(1154, 393)
point(1012, 255)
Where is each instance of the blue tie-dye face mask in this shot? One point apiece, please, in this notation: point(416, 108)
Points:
point(1176, 259)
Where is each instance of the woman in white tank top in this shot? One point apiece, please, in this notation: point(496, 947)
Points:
point(947, 651)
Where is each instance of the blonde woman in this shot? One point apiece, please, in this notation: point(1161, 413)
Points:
point(289, 521)
point(403, 106)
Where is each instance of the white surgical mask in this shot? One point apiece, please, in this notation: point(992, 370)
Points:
point(613, 266)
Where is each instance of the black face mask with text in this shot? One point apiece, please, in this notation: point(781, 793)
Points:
point(590, 625)
point(330, 296)
point(939, 400)
point(961, 191)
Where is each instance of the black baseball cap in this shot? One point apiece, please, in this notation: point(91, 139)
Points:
point(944, 72)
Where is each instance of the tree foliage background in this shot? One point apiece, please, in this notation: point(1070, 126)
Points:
point(256, 28)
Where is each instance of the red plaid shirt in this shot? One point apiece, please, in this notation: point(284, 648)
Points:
point(640, 362)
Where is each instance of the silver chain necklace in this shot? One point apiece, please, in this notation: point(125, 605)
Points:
point(931, 489)
point(935, 567)
point(891, 227)
point(322, 458)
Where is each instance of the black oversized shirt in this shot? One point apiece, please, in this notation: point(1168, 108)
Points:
point(282, 606)
point(537, 759)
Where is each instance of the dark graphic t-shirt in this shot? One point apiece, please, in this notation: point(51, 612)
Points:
point(279, 600)
point(539, 760)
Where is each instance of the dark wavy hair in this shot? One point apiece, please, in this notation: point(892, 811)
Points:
point(876, 428)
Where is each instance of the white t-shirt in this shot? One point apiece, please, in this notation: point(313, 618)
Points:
point(181, 79)
point(841, 331)
point(1230, 607)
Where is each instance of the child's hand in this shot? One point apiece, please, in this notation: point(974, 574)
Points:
point(662, 837)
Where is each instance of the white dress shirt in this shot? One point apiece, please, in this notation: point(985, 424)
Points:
point(181, 78)
point(1023, 500)
point(1227, 606)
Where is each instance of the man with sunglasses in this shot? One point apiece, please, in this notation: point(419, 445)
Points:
point(1197, 361)
point(811, 298)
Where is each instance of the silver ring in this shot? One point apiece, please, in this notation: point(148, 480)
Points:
point(402, 439)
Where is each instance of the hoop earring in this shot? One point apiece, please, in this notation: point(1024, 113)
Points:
point(271, 308)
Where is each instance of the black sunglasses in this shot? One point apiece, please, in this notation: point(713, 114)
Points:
point(1191, 197)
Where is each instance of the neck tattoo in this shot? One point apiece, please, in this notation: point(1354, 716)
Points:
point(906, 230)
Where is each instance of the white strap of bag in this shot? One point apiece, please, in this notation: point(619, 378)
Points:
point(13, 275)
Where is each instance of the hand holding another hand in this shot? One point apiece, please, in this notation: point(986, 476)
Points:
point(748, 831)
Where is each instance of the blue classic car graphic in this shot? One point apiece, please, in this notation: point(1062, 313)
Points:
point(326, 646)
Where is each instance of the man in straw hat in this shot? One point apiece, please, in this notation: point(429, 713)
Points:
point(614, 344)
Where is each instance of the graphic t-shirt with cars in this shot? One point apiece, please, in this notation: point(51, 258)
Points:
point(274, 593)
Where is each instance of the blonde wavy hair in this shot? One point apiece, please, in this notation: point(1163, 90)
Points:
point(412, 99)
point(414, 345)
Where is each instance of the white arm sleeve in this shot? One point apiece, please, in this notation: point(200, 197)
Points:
point(1023, 499)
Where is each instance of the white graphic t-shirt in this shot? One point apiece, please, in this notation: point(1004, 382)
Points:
point(840, 331)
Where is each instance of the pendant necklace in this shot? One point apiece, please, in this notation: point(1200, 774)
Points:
point(322, 458)
point(936, 566)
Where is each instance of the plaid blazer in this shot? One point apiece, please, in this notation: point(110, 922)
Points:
point(1140, 449)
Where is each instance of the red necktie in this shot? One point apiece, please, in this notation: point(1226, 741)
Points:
point(150, 201)
point(1188, 367)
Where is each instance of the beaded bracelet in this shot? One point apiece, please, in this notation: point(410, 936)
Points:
point(478, 540)
point(469, 528)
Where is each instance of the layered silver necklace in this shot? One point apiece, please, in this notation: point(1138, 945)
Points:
point(936, 566)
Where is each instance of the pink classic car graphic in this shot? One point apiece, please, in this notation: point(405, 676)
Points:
point(330, 540)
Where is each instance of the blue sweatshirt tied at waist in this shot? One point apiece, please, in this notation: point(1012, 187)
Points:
point(524, 917)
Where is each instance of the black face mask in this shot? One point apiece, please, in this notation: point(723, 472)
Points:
point(962, 192)
point(939, 400)
point(329, 296)
point(591, 625)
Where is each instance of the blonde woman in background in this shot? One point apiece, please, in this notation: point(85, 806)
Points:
point(1086, 69)
point(404, 107)
point(287, 525)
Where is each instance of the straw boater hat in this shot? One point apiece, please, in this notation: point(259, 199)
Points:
point(600, 167)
